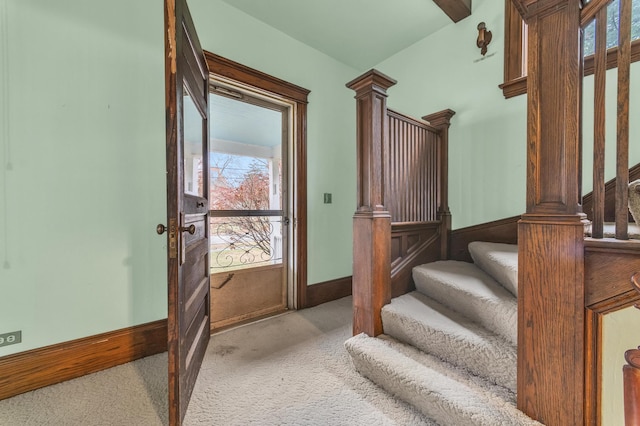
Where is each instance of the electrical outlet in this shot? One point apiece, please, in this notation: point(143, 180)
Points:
point(12, 338)
point(327, 198)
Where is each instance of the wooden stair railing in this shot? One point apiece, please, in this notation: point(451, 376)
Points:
point(596, 10)
point(416, 193)
point(631, 374)
point(402, 217)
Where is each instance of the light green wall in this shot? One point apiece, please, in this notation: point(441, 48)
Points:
point(488, 133)
point(83, 182)
point(331, 122)
point(83, 158)
point(620, 333)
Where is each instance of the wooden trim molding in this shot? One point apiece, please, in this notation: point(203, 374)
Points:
point(515, 65)
point(235, 71)
point(244, 74)
point(515, 87)
point(603, 296)
point(29, 370)
point(327, 291)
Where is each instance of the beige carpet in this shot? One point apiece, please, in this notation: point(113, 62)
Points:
point(288, 370)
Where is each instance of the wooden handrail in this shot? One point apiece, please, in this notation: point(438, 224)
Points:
point(591, 9)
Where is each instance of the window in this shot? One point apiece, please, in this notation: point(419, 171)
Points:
point(515, 55)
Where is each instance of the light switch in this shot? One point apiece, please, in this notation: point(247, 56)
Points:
point(327, 198)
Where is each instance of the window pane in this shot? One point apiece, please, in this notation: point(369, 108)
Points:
point(245, 155)
point(613, 21)
point(244, 183)
point(193, 147)
point(245, 241)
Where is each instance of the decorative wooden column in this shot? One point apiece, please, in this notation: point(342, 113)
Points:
point(442, 120)
point(371, 221)
point(551, 364)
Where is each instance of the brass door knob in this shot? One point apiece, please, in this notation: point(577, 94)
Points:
point(161, 229)
point(190, 229)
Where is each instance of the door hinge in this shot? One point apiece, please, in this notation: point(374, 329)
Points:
point(173, 238)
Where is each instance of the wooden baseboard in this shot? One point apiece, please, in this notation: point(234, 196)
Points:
point(327, 291)
point(29, 370)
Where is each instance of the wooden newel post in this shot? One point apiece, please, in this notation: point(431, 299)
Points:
point(442, 120)
point(371, 221)
point(551, 323)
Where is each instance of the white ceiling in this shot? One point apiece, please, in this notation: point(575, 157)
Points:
point(359, 33)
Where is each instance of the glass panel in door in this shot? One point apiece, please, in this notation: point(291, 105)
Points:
point(248, 255)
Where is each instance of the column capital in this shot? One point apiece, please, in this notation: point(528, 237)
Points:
point(440, 119)
point(371, 80)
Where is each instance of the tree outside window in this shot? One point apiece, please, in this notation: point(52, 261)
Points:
point(241, 184)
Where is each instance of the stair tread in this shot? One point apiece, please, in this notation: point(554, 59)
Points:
point(466, 289)
point(498, 260)
point(441, 391)
point(422, 322)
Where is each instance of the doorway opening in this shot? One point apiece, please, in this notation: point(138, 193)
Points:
point(287, 225)
point(250, 226)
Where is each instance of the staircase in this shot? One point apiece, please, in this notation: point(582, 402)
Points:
point(449, 347)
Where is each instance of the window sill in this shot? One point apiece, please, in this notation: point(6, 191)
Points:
point(515, 87)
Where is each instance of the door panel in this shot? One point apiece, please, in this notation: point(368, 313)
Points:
point(246, 294)
point(187, 205)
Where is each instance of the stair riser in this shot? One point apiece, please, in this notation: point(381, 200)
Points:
point(483, 357)
point(493, 307)
point(420, 380)
point(500, 261)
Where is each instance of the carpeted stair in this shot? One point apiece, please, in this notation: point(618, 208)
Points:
point(449, 347)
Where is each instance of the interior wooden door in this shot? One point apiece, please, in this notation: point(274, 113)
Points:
point(186, 77)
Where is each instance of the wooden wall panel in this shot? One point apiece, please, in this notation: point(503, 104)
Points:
point(411, 245)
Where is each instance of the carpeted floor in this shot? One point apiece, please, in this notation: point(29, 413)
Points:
point(288, 370)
